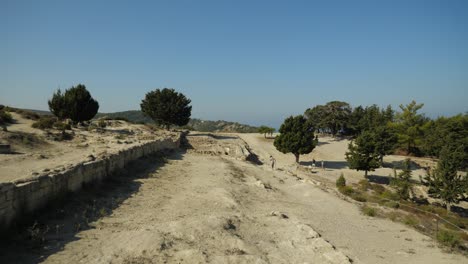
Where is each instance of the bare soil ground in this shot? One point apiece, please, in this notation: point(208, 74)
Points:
point(199, 207)
point(35, 151)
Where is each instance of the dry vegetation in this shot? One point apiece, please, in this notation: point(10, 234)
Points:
point(448, 228)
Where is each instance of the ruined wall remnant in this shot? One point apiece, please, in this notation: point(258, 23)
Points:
point(28, 195)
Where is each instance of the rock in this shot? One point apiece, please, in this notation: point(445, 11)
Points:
point(91, 158)
point(282, 215)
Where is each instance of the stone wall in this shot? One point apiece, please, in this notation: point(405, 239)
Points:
point(28, 195)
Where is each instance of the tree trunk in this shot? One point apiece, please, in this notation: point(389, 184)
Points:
point(264, 135)
point(448, 206)
point(365, 174)
point(297, 157)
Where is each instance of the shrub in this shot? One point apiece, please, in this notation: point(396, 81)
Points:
point(341, 181)
point(118, 118)
point(392, 204)
point(5, 117)
point(377, 188)
point(363, 185)
point(390, 195)
point(358, 197)
point(346, 190)
point(102, 123)
point(369, 211)
point(410, 220)
point(447, 238)
point(45, 122)
point(62, 126)
point(28, 114)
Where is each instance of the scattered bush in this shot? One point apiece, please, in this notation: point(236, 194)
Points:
point(364, 185)
point(118, 118)
point(5, 117)
point(390, 195)
point(341, 181)
point(24, 113)
point(379, 189)
point(45, 122)
point(102, 123)
point(447, 238)
point(369, 211)
point(411, 221)
point(392, 204)
point(346, 190)
point(359, 197)
point(62, 126)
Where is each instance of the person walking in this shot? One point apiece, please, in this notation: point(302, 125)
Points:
point(272, 162)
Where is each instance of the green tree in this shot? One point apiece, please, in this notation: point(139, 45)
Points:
point(452, 131)
point(296, 137)
point(362, 154)
point(341, 181)
point(409, 126)
point(167, 107)
point(385, 141)
point(355, 121)
point(266, 130)
point(316, 116)
point(331, 117)
point(57, 105)
point(79, 105)
point(445, 182)
point(402, 180)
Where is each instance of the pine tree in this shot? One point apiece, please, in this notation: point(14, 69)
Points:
point(57, 105)
point(167, 107)
point(362, 154)
point(79, 104)
point(296, 137)
point(445, 182)
point(402, 180)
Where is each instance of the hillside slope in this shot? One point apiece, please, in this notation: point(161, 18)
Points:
point(137, 116)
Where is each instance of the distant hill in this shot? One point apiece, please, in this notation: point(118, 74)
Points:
point(137, 116)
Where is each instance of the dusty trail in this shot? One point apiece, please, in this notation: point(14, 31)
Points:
point(216, 209)
point(200, 209)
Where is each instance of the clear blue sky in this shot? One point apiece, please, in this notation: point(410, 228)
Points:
point(249, 61)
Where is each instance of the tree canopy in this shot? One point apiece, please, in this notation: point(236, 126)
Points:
point(445, 182)
point(296, 137)
point(167, 107)
point(266, 130)
point(409, 126)
point(76, 103)
point(332, 117)
point(362, 154)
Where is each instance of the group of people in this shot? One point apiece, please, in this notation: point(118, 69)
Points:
point(322, 163)
point(273, 163)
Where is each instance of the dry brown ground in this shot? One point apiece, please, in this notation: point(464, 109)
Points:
point(34, 152)
point(200, 208)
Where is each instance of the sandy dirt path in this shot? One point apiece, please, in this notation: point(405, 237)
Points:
point(215, 209)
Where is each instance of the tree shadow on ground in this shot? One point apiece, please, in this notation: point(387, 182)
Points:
point(463, 212)
point(212, 136)
point(49, 230)
point(321, 143)
point(399, 164)
point(327, 164)
point(379, 179)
